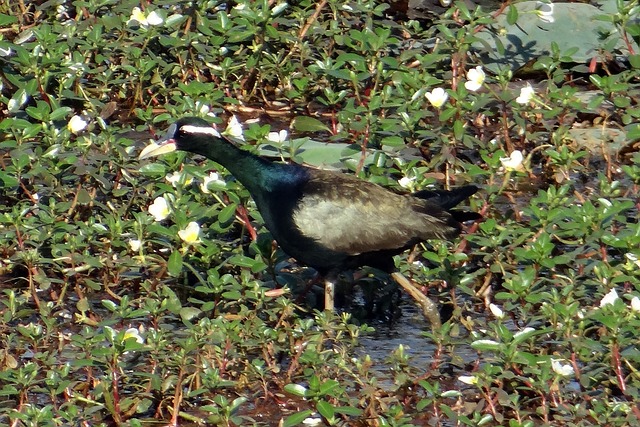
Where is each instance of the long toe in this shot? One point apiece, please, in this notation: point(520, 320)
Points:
point(429, 308)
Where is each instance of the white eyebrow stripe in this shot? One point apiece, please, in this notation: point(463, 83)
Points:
point(200, 130)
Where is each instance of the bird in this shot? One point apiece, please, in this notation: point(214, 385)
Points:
point(327, 220)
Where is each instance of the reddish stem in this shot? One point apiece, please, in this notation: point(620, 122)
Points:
point(244, 217)
point(615, 360)
point(116, 397)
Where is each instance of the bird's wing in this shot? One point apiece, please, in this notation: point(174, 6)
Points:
point(345, 214)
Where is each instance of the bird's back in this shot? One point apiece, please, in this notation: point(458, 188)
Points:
point(333, 221)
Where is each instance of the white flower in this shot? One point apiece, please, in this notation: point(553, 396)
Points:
point(174, 179)
point(468, 379)
point(633, 258)
point(526, 94)
point(191, 233)
point(560, 369)
point(475, 79)
point(278, 136)
point(437, 97)
point(203, 109)
point(545, 12)
point(154, 18)
point(159, 209)
point(609, 299)
point(513, 162)
point(213, 177)
point(635, 304)
point(234, 129)
point(138, 18)
point(496, 311)
point(133, 333)
point(134, 244)
point(77, 124)
point(406, 182)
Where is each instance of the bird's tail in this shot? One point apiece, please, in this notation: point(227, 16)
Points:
point(447, 199)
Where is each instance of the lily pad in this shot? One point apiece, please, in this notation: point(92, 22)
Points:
point(332, 155)
point(574, 27)
point(315, 153)
point(600, 140)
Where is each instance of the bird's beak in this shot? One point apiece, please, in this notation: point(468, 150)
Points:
point(163, 146)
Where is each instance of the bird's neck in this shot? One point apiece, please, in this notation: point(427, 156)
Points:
point(257, 174)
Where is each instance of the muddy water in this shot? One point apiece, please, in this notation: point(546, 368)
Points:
point(409, 330)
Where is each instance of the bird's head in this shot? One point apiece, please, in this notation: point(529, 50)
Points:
point(189, 134)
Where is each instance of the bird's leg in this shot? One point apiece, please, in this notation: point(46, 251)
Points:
point(330, 291)
point(317, 277)
point(428, 307)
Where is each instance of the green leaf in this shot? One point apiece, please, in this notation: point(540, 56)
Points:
point(486, 345)
point(109, 305)
point(296, 390)
point(7, 20)
point(328, 386)
point(314, 383)
point(84, 197)
point(8, 180)
point(309, 124)
point(227, 213)
point(447, 113)
point(232, 295)
point(348, 410)
point(458, 129)
point(153, 170)
point(393, 141)
point(512, 15)
point(17, 100)
point(236, 403)
point(39, 112)
point(632, 134)
point(59, 113)
point(174, 265)
point(242, 261)
point(524, 335)
point(326, 409)
point(83, 305)
point(171, 300)
point(297, 418)
point(451, 394)
point(188, 313)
